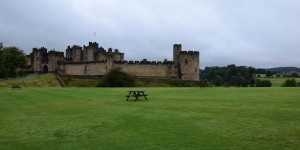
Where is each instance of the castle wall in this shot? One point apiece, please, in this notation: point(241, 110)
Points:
point(148, 70)
point(96, 68)
point(136, 69)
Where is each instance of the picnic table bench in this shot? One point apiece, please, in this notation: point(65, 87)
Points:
point(13, 87)
point(136, 94)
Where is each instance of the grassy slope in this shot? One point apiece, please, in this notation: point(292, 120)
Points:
point(173, 118)
point(46, 80)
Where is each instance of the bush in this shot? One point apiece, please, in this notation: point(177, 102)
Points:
point(181, 83)
point(263, 83)
point(289, 83)
point(117, 78)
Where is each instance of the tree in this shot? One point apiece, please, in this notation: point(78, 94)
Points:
point(218, 81)
point(269, 73)
point(1, 51)
point(263, 83)
point(294, 75)
point(117, 78)
point(289, 83)
point(12, 58)
point(231, 75)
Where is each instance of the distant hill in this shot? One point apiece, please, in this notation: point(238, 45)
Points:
point(284, 69)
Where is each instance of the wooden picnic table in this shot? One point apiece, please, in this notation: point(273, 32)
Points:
point(136, 94)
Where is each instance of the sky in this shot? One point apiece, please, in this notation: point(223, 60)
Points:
point(257, 33)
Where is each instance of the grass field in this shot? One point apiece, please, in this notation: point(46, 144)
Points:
point(172, 118)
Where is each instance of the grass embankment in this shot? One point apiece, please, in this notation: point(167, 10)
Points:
point(46, 80)
point(50, 80)
point(172, 118)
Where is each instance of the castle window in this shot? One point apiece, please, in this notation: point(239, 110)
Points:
point(186, 61)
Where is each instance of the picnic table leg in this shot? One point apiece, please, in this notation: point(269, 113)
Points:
point(145, 97)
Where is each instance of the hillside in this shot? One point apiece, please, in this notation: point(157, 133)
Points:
point(46, 80)
point(285, 69)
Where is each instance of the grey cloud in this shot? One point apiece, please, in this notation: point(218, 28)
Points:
point(250, 32)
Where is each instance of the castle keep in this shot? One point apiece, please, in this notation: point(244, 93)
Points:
point(93, 60)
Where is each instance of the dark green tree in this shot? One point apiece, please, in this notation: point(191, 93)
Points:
point(117, 78)
point(289, 83)
point(294, 75)
point(12, 58)
point(269, 73)
point(263, 83)
point(218, 81)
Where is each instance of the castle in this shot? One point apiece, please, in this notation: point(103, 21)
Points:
point(93, 60)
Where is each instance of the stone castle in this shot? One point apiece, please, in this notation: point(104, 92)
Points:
point(93, 60)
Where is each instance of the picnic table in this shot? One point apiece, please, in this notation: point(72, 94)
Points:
point(13, 87)
point(136, 94)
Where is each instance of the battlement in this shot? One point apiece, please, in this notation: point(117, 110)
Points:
point(177, 46)
point(145, 62)
point(189, 53)
point(74, 47)
point(56, 53)
point(42, 49)
point(80, 63)
point(93, 45)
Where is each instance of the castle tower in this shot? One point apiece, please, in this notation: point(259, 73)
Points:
point(176, 58)
point(88, 51)
point(39, 58)
point(74, 53)
point(176, 51)
point(53, 58)
point(189, 65)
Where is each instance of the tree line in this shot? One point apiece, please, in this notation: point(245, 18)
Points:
point(232, 75)
point(11, 58)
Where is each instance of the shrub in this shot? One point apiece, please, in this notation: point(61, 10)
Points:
point(180, 83)
point(117, 78)
point(289, 83)
point(263, 83)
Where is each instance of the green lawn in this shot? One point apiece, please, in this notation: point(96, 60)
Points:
point(172, 118)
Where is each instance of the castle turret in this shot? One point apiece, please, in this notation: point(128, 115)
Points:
point(176, 52)
point(74, 53)
point(189, 65)
point(39, 57)
point(186, 63)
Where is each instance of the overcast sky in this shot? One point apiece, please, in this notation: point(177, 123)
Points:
point(258, 33)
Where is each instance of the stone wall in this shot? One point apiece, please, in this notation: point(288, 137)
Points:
point(148, 70)
point(136, 69)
